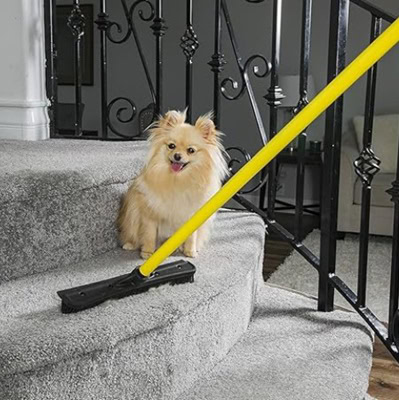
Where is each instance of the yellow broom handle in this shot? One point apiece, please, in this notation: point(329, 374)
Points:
point(376, 50)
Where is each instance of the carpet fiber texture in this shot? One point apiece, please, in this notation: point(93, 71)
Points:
point(291, 351)
point(295, 273)
point(147, 346)
point(59, 201)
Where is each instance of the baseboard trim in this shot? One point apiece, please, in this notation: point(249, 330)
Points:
point(28, 121)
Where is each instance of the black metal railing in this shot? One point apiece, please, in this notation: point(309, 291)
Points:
point(119, 110)
point(366, 166)
point(123, 110)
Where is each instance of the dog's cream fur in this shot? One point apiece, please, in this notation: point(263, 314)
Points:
point(165, 194)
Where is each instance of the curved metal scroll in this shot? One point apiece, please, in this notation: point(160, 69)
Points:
point(243, 68)
point(241, 158)
point(119, 114)
point(146, 11)
point(240, 88)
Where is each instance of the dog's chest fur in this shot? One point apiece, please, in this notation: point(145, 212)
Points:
point(174, 204)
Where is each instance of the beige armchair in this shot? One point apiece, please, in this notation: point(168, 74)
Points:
point(350, 192)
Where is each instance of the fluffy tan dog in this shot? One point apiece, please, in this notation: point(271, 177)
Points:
point(185, 167)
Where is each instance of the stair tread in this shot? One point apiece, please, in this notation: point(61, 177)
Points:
point(59, 201)
point(291, 351)
point(34, 333)
point(64, 166)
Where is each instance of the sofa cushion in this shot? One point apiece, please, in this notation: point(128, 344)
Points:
point(385, 139)
point(379, 196)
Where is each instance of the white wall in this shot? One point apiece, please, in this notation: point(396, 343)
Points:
point(23, 113)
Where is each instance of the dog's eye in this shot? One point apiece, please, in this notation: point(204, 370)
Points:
point(171, 146)
point(190, 150)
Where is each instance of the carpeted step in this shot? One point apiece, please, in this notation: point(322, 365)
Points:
point(148, 346)
point(291, 351)
point(59, 201)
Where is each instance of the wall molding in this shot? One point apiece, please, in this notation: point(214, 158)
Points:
point(24, 123)
point(23, 103)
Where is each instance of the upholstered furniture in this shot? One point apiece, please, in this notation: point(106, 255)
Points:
point(385, 145)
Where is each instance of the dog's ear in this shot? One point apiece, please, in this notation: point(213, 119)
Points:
point(172, 119)
point(206, 126)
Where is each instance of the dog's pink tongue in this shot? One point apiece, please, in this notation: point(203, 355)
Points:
point(176, 167)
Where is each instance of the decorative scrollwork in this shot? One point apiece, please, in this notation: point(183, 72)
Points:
point(233, 160)
point(189, 43)
point(111, 35)
point(146, 117)
point(141, 12)
point(129, 13)
point(119, 115)
point(367, 165)
point(245, 77)
point(394, 191)
point(234, 85)
point(255, 68)
point(238, 159)
point(77, 22)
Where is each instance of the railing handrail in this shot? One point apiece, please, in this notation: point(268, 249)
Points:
point(376, 11)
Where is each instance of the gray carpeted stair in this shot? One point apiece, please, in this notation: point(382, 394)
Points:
point(292, 352)
point(58, 206)
point(59, 200)
point(147, 346)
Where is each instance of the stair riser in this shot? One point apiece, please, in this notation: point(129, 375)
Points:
point(45, 234)
point(174, 355)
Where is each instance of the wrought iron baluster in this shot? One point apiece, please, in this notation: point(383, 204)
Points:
point(366, 166)
point(339, 16)
point(77, 23)
point(217, 62)
point(244, 72)
point(393, 328)
point(273, 97)
point(303, 101)
point(51, 62)
point(103, 25)
point(159, 28)
point(189, 44)
point(127, 110)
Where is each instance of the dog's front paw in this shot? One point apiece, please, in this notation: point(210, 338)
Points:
point(190, 253)
point(128, 246)
point(144, 255)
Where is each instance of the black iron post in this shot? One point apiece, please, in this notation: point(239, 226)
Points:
point(339, 16)
point(77, 22)
point(159, 29)
point(393, 328)
point(189, 44)
point(303, 101)
point(366, 166)
point(273, 97)
point(51, 62)
point(103, 24)
point(217, 62)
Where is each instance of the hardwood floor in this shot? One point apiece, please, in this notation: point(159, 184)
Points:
point(384, 376)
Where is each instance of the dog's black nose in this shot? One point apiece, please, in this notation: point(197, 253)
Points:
point(177, 157)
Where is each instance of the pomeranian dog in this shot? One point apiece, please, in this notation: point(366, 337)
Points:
point(185, 167)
